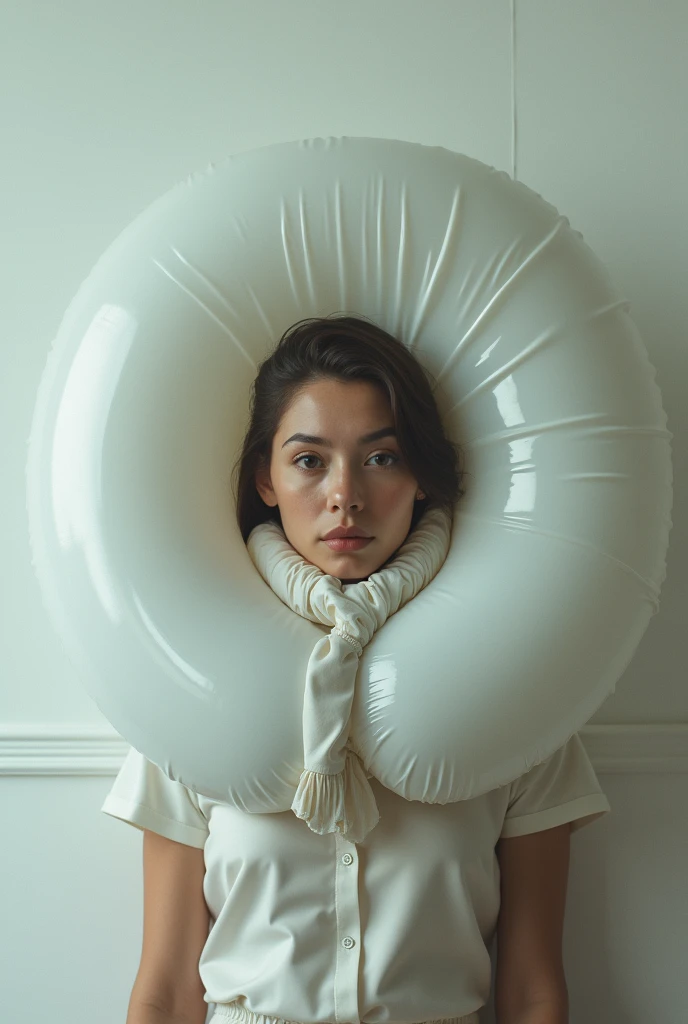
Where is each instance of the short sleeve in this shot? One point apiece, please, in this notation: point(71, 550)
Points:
point(145, 797)
point(563, 788)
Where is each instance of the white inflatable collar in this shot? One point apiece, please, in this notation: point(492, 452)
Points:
point(558, 546)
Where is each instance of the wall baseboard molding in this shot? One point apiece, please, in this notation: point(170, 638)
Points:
point(37, 748)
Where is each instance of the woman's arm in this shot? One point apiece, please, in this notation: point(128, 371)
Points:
point(176, 922)
point(141, 1013)
point(530, 984)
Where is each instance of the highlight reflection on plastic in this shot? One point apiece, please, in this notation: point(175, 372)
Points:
point(558, 546)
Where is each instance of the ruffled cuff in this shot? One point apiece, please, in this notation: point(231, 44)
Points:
point(343, 803)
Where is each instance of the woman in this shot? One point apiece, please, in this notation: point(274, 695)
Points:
point(345, 437)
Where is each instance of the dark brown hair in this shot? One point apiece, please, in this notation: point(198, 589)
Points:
point(347, 348)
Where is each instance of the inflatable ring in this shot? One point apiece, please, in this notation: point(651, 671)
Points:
point(558, 545)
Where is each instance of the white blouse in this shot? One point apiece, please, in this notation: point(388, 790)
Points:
point(315, 928)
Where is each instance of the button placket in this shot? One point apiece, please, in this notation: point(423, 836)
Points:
point(348, 932)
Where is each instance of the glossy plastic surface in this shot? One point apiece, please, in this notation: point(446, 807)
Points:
point(558, 547)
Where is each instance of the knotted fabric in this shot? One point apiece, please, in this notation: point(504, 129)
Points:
point(333, 794)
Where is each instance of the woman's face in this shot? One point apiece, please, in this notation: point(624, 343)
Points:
point(324, 474)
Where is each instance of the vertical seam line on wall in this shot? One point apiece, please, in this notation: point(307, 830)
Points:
point(513, 89)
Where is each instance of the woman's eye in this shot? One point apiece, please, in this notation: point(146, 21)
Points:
point(380, 455)
point(296, 461)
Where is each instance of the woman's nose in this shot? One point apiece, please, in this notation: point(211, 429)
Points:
point(345, 490)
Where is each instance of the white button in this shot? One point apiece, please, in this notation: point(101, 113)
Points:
point(348, 942)
point(347, 859)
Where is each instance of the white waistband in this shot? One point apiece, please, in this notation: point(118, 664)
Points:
point(237, 1013)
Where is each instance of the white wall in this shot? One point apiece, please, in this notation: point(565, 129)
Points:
point(104, 107)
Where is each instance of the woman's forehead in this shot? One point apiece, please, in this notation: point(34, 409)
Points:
point(340, 407)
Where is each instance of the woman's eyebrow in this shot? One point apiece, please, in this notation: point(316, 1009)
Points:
point(313, 439)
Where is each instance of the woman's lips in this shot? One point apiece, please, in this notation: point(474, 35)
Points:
point(347, 543)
